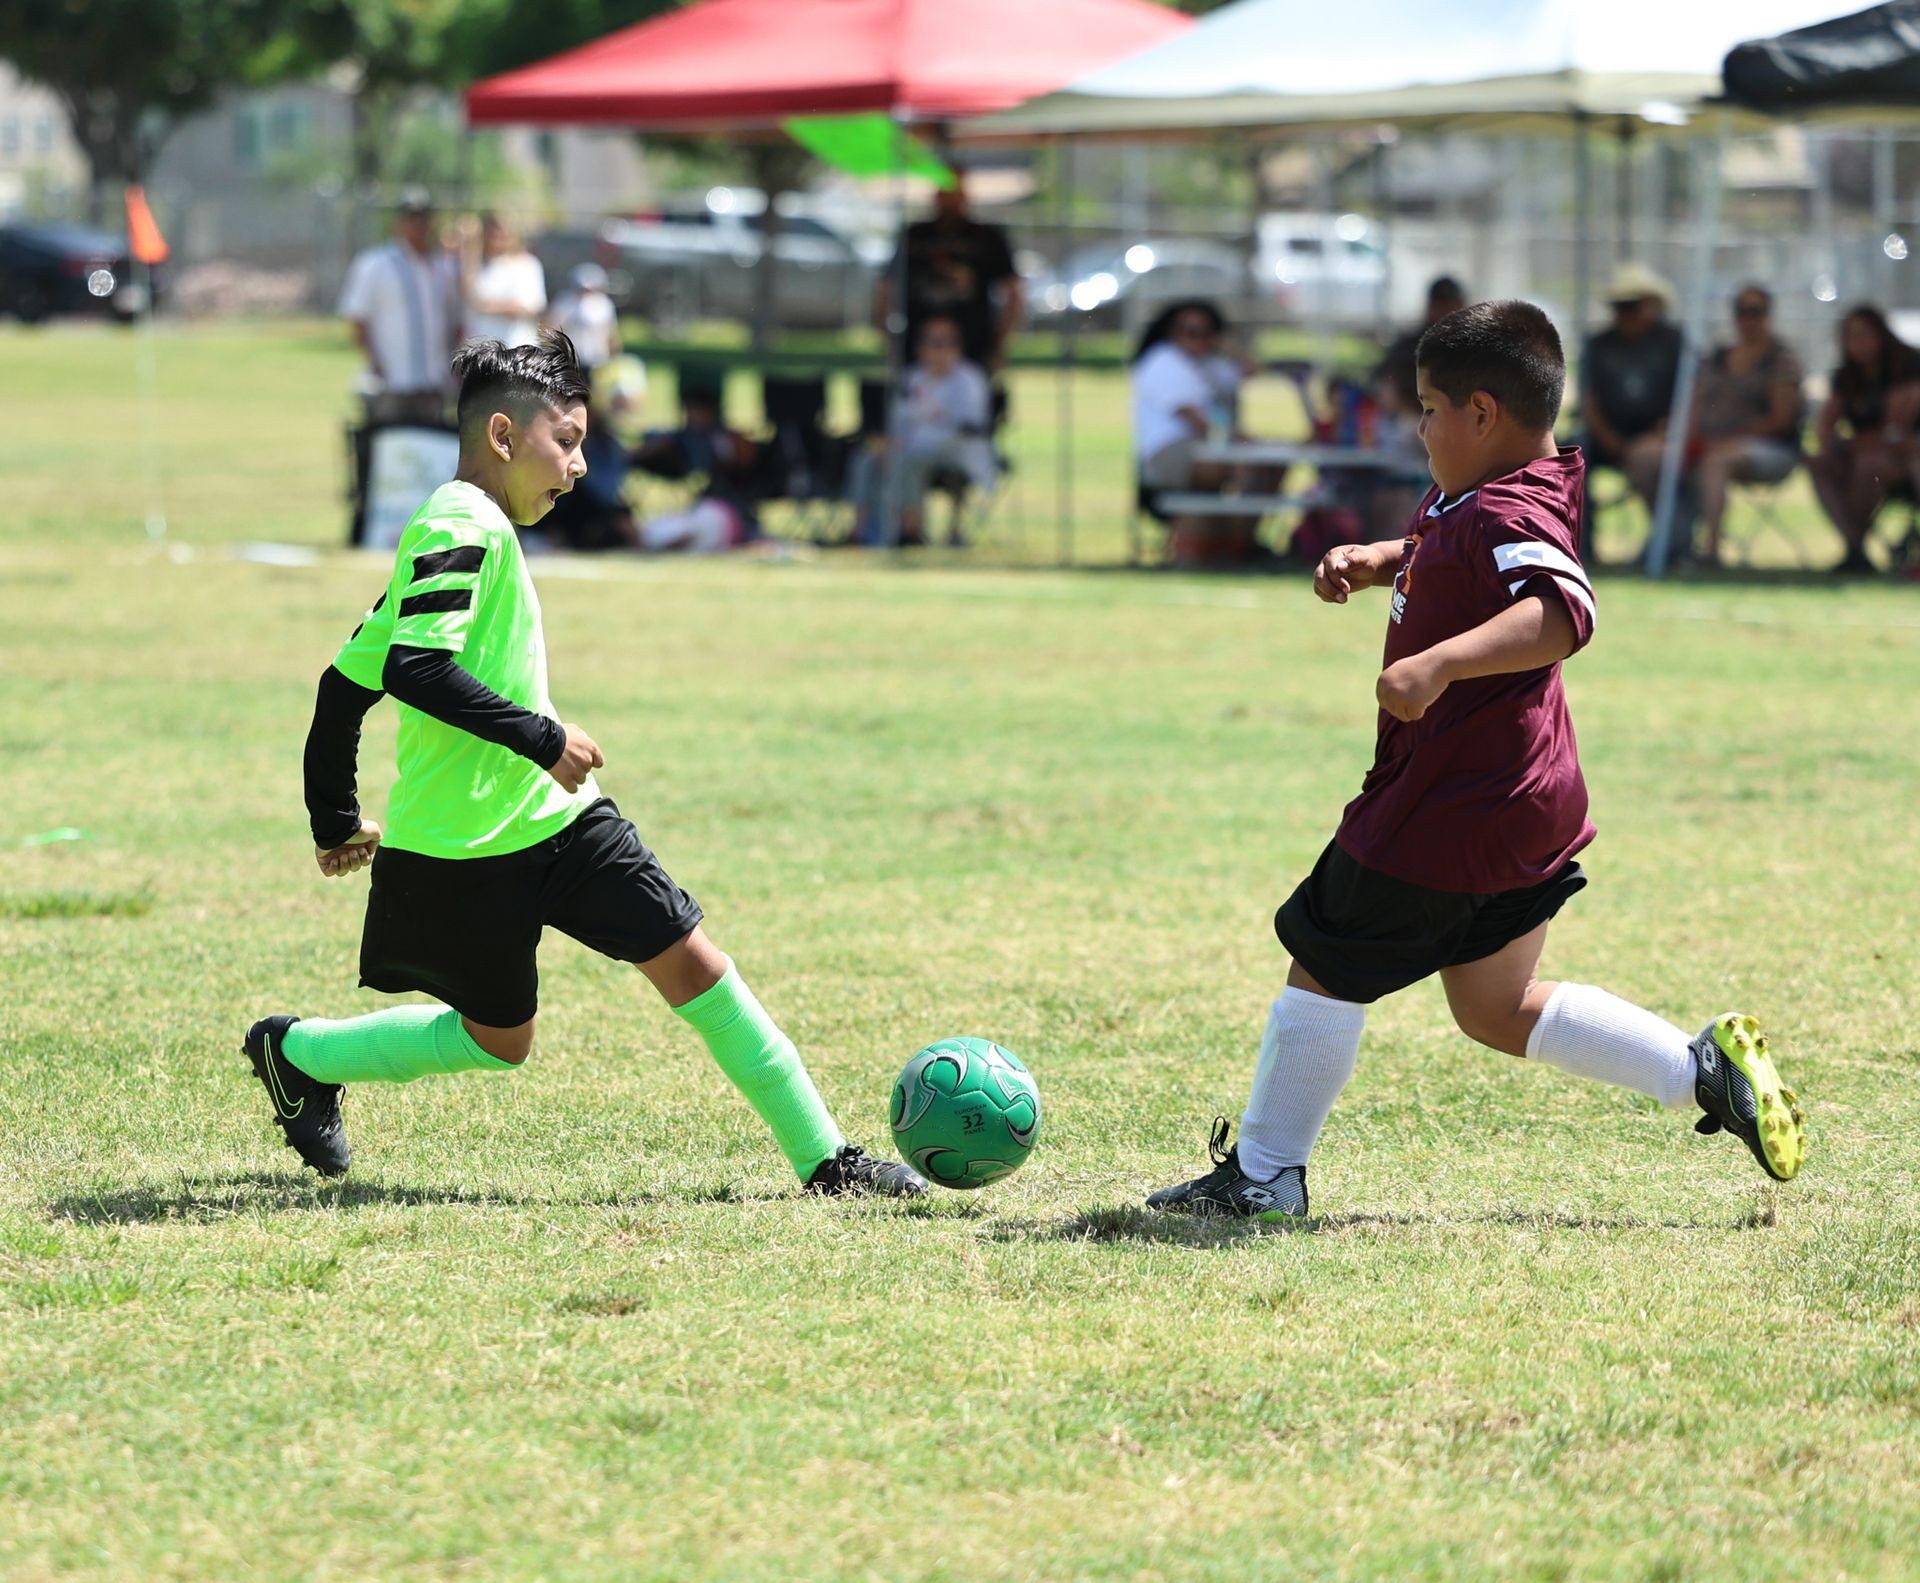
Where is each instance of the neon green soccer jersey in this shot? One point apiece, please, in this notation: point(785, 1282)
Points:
point(461, 583)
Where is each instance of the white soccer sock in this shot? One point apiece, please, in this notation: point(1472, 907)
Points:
point(1590, 1033)
point(1306, 1057)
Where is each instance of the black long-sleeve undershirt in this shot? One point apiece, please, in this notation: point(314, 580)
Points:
point(425, 679)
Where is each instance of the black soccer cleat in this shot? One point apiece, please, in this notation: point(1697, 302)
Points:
point(1736, 1086)
point(854, 1173)
point(1228, 1190)
point(307, 1110)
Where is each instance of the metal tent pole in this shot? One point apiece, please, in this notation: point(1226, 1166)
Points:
point(1582, 223)
point(1623, 195)
point(1069, 337)
point(1667, 497)
point(894, 480)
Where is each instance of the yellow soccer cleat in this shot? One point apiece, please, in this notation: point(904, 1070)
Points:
point(1739, 1090)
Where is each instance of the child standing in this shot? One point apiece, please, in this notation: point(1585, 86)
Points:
point(496, 827)
point(1460, 847)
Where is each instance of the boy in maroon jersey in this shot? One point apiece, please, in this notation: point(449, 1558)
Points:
point(1460, 847)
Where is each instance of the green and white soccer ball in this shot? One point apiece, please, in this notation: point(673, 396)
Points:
point(965, 1113)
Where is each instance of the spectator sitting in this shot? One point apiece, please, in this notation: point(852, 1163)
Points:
point(1627, 376)
point(1391, 497)
point(587, 314)
point(702, 444)
point(596, 515)
point(506, 289)
point(1394, 379)
point(1185, 387)
point(1746, 421)
point(944, 425)
point(709, 526)
point(1875, 399)
point(402, 301)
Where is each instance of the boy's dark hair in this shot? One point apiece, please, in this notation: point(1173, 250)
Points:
point(1508, 349)
point(518, 380)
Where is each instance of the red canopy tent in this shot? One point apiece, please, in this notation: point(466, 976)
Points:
point(750, 63)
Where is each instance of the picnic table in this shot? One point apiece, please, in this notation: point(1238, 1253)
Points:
point(1267, 453)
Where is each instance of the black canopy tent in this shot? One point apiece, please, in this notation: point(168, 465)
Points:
point(1868, 61)
point(1864, 66)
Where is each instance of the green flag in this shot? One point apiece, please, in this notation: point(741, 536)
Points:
point(866, 145)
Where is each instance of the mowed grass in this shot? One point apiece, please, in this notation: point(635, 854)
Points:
point(577, 1323)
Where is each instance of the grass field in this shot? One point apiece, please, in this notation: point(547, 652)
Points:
point(576, 1323)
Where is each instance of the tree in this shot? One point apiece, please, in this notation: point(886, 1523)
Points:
point(128, 70)
point(398, 45)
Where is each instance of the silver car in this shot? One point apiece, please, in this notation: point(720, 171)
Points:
point(698, 261)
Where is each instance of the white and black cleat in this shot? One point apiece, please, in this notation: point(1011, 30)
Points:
point(1227, 1190)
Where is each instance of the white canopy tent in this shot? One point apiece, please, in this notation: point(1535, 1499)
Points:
point(1492, 66)
point(1494, 63)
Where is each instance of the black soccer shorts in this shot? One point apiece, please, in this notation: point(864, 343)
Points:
point(1363, 934)
point(466, 930)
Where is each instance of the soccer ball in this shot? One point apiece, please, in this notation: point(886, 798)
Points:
point(965, 1113)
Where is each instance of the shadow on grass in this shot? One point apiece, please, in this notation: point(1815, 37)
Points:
point(209, 1199)
point(249, 1192)
point(1131, 1223)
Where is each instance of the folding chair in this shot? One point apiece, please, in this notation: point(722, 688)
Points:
point(1902, 541)
point(1755, 512)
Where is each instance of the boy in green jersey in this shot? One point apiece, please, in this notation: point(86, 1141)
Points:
point(495, 828)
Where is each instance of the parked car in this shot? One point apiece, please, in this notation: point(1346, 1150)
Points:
point(1115, 284)
point(697, 260)
point(56, 268)
point(1322, 269)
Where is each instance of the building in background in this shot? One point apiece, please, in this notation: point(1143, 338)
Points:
point(43, 174)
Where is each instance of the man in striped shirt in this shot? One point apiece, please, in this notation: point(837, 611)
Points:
point(403, 301)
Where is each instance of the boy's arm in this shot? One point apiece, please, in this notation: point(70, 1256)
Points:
point(1532, 633)
point(330, 764)
point(429, 680)
point(1348, 567)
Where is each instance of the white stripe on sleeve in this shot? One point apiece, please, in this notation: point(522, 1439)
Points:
point(1536, 555)
point(1571, 586)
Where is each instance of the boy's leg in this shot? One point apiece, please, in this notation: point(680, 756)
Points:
point(1501, 1002)
point(706, 991)
point(1307, 1055)
point(303, 1065)
point(403, 1043)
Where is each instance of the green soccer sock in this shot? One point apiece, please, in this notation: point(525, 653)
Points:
point(762, 1063)
point(392, 1046)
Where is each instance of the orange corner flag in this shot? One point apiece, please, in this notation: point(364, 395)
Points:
point(144, 240)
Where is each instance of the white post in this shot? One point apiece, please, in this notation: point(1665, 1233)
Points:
point(149, 378)
point(1671, 462)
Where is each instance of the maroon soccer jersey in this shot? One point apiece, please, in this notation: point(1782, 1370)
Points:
point(1483, 792)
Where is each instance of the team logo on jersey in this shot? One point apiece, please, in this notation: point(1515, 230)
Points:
point(1403, 578)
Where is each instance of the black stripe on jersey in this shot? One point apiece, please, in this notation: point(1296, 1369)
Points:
point(465, 559)
point(432, 604)
point(370, 614)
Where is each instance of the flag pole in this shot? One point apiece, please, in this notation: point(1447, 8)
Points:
point(149, 416)
point(145, 248)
